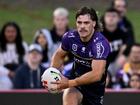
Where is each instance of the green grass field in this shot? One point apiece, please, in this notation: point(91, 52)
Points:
point(30, 21)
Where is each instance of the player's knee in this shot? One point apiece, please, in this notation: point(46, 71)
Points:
point(72, 97)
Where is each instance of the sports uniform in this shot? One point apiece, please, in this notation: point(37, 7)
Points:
point(97, 48)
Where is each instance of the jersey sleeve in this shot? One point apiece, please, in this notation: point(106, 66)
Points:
point(101, 50)
point(65, 42)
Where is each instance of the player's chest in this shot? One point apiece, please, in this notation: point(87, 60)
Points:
point(81, 50)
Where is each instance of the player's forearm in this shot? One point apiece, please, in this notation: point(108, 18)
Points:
point(91, 76)
point(87, 78)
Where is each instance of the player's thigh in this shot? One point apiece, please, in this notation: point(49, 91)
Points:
point(72, 96)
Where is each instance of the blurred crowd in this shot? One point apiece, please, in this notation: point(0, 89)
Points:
point(21, 65)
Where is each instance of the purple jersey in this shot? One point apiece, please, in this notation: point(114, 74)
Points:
point(97, 48)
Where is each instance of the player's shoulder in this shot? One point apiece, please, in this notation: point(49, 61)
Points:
point(70, 34)
point(100, 42)
point(99, 37)
point(69, 38)
point(100, 46)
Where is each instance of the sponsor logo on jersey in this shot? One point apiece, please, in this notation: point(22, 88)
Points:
point(95, 39)
point(83, 49)
point(100, 49)
point(90, 55)
point(74, 47)
point(83, 62)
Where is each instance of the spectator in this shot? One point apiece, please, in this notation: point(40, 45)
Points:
point(115, 36)
point(135, 81)
point(60, 25)
point(131, 67)
point(12, 53)
point(124, 24)
point(28, 75)
point(43, 38)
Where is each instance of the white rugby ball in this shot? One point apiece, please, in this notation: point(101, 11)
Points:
point(51, 75)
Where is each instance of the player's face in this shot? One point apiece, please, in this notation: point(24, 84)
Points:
point(135, 54)
point(120, 5)
point(111, 18)
point(85, 25)
point(60, 22)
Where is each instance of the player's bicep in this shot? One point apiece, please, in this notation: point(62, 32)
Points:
point(61, 52)
point(58, 58)
point(100, 52)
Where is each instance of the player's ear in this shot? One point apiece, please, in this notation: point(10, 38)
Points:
point(94, 23)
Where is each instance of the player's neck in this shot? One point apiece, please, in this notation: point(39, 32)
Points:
point(87, 39)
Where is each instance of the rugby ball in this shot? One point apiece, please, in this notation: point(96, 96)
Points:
point(51, 75)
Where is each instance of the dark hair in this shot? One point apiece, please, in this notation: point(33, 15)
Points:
point(91, 12)
point(127, 51)
point(36, 39)
point(18, 41)
point(113, 3)
point(112, 10)
point(136, 44)
point(45, 50)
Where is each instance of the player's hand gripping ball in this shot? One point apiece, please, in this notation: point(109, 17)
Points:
point(51, 75)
